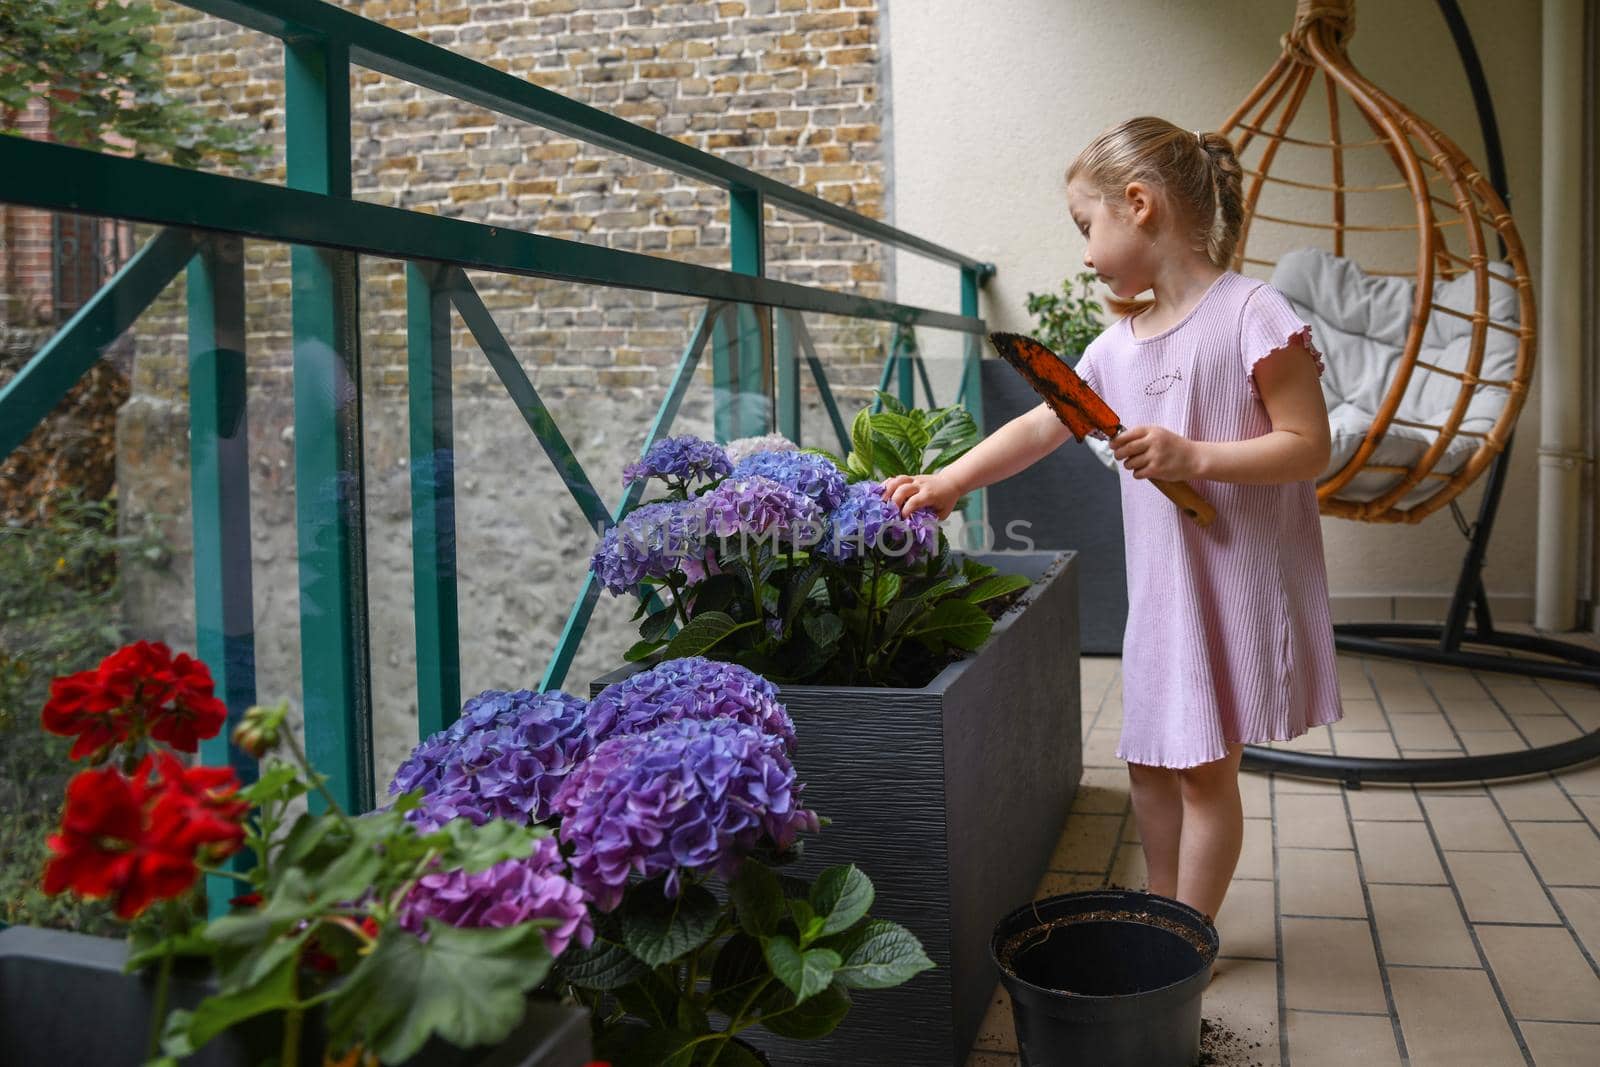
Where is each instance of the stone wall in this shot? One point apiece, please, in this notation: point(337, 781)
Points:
point(786, 87)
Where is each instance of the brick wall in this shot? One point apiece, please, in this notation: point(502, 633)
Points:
point(25, 296)
point(788, 88)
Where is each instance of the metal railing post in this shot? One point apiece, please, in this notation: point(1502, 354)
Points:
point(433, 497)
point(971, 394)
point(329, 472)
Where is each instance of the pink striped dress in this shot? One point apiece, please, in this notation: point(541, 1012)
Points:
point(1229, 636)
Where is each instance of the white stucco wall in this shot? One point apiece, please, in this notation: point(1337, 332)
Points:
point(989, 101)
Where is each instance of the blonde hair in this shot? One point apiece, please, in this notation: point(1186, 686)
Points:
point(1198, 172)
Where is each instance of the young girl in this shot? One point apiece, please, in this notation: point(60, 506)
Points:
point(1229, 640)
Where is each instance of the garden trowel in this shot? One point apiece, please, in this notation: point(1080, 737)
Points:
point(1082, 410)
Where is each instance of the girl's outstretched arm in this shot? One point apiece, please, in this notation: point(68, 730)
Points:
point(1018, 444)
point(1295, 450)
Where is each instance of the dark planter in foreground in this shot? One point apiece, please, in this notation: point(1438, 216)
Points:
point(64, 1000)
point(951, 797)
point(1070, 500)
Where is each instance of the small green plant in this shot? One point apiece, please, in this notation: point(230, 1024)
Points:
point(1068, 320)
point(899, 440)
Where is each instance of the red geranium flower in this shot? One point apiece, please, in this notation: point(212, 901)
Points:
point(192, 712)
point(139, 690)
point(136, 839)
point(87, 705)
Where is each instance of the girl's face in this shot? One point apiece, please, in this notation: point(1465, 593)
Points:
point(1119, 249)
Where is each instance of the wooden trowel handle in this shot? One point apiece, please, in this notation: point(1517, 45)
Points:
point(1189, 502)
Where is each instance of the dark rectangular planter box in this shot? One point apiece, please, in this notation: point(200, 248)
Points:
point(1069, 499)
point(951, 797)
point(64, 1000)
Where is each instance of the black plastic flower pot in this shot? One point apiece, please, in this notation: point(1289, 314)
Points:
point(1108, 977)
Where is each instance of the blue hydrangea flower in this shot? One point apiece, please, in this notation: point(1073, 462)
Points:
point(762, 509)
point(806, 472)
point(690, 795)
point(866, 523)
point(741, 447)
point(684, 458)
point(503, 759)
point(652, 541)
point(690, 687)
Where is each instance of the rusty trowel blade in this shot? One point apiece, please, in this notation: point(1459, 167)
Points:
point(1074, 403)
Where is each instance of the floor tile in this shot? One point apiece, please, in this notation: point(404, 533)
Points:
point(1450, 1018)
point(1422, 731)
point(1255, 858)
point(1467, 824)
point(1561, 1044)
point(1486, 742)
point(1475, 715)
point(997, 1033)
point(1455, 684)
point(1286, 784)
point(1312, 821)
point(1564, 853)
point(1086, 844)
point(1360, 715)
point(1100, 749)
point(1383, 803)
point(1528, 700)
point(1548, 730)
point(1421, 924)
point(1581, 906)
point(1406, 700)
point(1243, 996)
point(1102, 790)
point(1329, 964)
point(1128, 868)
point(1314, 881)
point(1247, 922)
point(1499, 887)
point(1398, 852)
point(1318, 1040)
point(1055, 883)
point(1542, 973)
point(1375, 745)
point(1255, 793)
point(1581, 781)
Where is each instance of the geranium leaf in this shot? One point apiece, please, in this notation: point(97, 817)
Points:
point(469, 986)
point(659, 929)
point(805, 973)
point(841, 896)
point(758, 898)
point(808, 1020)
point(477, 848)
point(272, 990)
point(879, 954)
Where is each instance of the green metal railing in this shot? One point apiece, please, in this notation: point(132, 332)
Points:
point(754, 326)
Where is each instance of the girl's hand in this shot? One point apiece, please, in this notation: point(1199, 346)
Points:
point(912, 491)
point(1156, 452)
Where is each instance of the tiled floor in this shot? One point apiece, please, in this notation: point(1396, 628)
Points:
point(1453, 925)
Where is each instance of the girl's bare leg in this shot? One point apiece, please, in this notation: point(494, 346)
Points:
point(1158, 809)
point(1213, 831)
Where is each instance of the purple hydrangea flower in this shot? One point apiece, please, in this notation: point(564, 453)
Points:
point(652, 541)
point(806, 472)
point(509, 893)
point(865, 522)
point(503, 759)
point(741, 447)
point(684, 458)
point(691, 687)
point(689, 795)
point(762, 509)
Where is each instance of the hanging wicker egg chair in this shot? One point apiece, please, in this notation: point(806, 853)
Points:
point(1444, 389)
